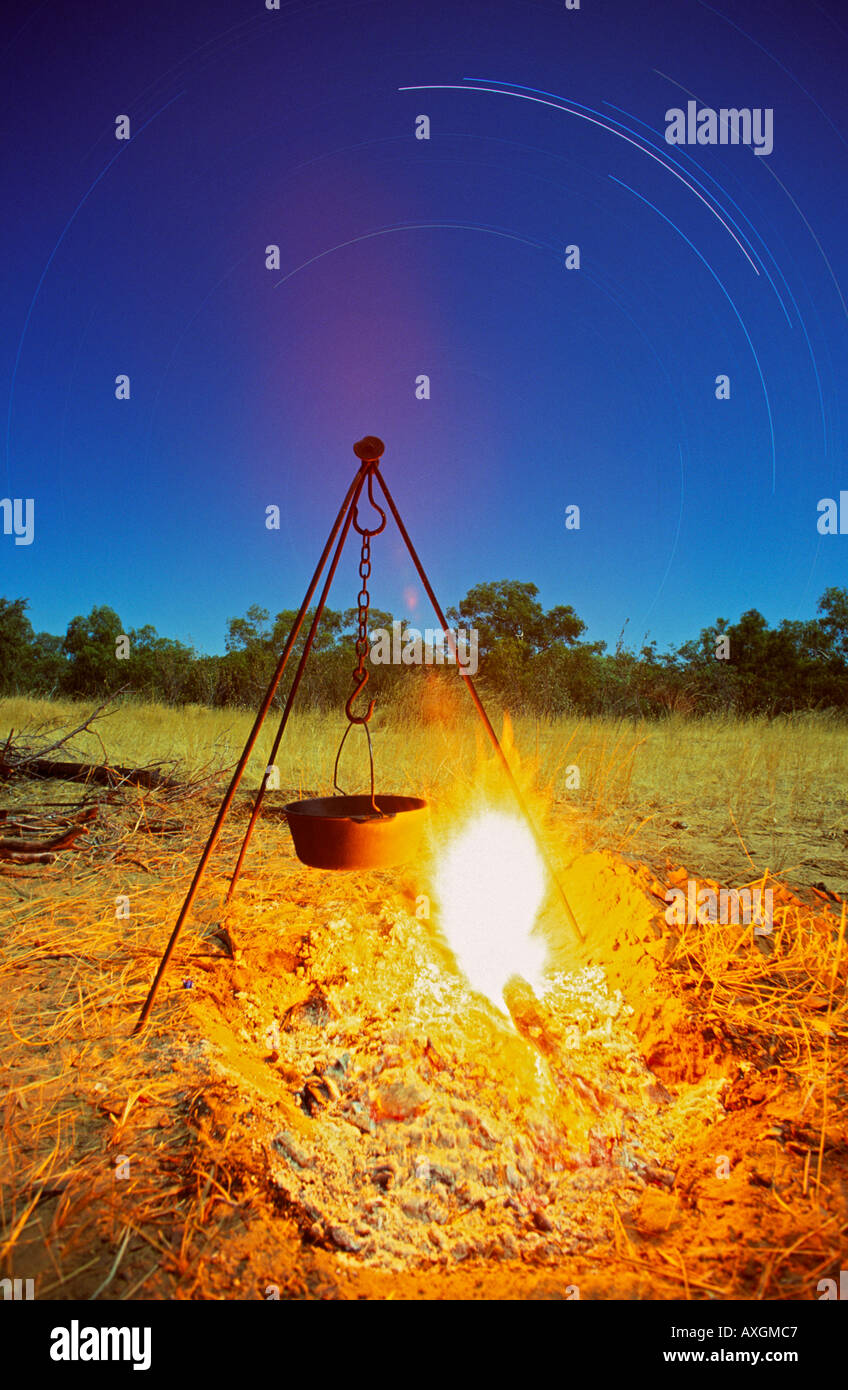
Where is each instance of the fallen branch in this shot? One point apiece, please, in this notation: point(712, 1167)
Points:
point(20, 857)
point(101, 773)
point(21, 850)
point(14, 848)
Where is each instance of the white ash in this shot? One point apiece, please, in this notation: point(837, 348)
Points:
point(429, 1131)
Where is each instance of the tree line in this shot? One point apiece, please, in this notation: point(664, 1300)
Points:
point(530, 660)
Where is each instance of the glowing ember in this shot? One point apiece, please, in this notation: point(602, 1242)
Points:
point(490, 883)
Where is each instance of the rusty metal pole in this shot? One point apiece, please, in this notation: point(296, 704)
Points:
point(307, 648)
point(478, 705)
point(346, 508)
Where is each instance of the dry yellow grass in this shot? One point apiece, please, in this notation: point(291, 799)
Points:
point(685, 790)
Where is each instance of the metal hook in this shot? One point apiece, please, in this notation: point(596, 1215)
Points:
point(374, 807)
point(359, 718)
point(369, 531)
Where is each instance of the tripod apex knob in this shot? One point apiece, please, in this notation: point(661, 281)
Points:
point(369, 449)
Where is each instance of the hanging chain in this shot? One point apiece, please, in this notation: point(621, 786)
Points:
point(363, 599)
point(362, 647)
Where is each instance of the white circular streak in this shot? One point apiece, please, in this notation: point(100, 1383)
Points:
point(500, 91)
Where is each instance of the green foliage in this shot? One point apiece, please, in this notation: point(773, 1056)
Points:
point(507, 611)
point(16, 645)
point(90, 646)
point(530, 661)
point(833, 604)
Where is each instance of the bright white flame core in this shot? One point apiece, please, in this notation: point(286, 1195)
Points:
point(490, 884)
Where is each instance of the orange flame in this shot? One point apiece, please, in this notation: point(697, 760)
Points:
point(490, 885)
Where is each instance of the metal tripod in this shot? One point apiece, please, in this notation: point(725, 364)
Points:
point(369, 451)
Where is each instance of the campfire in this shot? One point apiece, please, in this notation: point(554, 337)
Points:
point(438, 1066)
point(444, 1075)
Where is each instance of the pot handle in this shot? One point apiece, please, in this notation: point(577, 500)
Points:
point(336, 788)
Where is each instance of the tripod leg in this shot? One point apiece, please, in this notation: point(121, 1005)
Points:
point(223, 810)
point(478, 705)
point(307, 648)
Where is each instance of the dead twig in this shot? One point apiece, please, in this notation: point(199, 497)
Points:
point(51, 747)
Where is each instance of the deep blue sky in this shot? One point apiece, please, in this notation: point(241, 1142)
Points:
point(401, 257)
